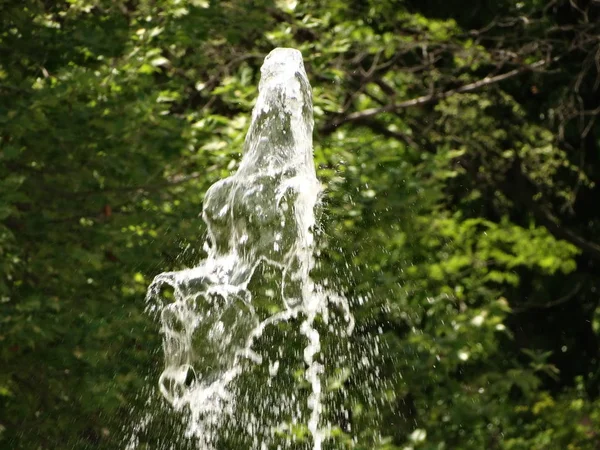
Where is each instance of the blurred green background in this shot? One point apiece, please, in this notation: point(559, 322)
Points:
point(460, 151)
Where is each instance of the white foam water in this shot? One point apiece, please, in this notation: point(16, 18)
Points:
point(263, 215)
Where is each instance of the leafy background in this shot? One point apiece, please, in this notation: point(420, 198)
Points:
point(460, 151)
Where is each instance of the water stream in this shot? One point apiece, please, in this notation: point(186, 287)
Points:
point(260, 221)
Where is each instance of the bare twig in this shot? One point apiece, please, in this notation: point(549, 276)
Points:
point(431, 98)
point(564, 299)
point(522, 190)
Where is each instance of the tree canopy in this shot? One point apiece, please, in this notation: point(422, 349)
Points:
point(459, 149)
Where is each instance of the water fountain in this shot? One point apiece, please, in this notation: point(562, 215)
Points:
point(261, 223)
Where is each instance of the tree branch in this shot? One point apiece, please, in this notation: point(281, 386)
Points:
point(547, 219)
point(431, 98)
point(523, 191)
point(564, 299)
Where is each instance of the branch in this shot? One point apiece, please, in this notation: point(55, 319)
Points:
point(431, 98)
point(566, 298)
point(547, 219)
point(148, 187)
point(17, 226)
point(383, 130)
point(523, 190)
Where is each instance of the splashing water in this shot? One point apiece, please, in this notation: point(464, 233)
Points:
point(262, 215)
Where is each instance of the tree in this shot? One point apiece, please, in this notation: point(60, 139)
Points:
point(459, 146)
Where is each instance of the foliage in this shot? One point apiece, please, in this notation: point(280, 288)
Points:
point(460, 154)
